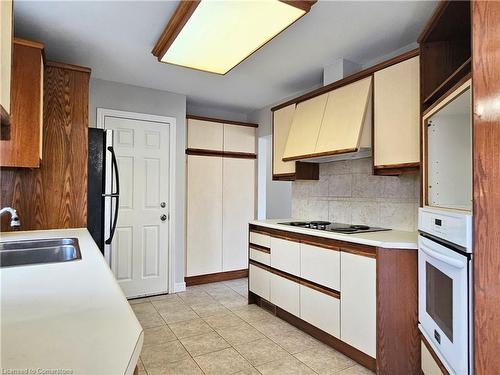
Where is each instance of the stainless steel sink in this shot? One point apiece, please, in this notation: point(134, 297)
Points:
point(54, 250)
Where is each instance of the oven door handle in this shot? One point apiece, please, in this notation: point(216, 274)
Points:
point(443, 258)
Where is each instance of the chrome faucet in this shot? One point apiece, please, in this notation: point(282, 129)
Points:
point(14, 219)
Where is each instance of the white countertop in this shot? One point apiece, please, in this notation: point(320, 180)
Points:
point(71, 316)
point(392, 239)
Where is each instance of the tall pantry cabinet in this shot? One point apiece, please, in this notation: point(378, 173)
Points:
point(221, 162)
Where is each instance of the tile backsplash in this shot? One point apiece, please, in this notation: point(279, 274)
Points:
point(347, 192)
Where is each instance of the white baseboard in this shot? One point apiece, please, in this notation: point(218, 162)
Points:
point(179, 287)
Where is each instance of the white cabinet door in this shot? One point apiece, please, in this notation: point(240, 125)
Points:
point(238, 138)
point(285, 294)
point(358, 302)
point(204, 215)
point(321, 310)
point(320, 265)
point(282, 121)
point(285, 255)
point(344, 117)
point(238, 210)
point(397, 114)
point(206, 135)
point(259, 281)
point(305, 128)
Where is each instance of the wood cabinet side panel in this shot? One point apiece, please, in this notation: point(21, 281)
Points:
point(397, 312)
point(23, 147)
point(397, 114)
point(55, 195)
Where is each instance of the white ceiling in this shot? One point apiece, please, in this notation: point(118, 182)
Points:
point(115, 39)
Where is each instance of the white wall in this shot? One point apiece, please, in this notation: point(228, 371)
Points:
point(119, 96)
point(219, 113)
point(277, 194)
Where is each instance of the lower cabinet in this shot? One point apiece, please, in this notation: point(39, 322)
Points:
point(429, 364)
point(285, 293)
point(259, 281)
point(285, 255)
point(358, 307)
point(320, 310)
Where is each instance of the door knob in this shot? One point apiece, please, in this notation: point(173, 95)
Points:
point(163, 204)
point(163, 217)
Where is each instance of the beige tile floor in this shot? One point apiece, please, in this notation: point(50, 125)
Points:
point(210, 329)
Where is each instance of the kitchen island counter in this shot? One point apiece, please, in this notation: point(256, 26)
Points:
point(71, 317)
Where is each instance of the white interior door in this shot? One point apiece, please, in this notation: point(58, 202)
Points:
point(139, 251)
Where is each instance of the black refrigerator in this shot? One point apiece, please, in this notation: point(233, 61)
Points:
point(103, 191)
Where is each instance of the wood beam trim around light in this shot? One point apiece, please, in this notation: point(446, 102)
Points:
point(184, 11)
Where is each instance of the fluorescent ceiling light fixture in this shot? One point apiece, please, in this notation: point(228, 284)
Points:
point(216, 35)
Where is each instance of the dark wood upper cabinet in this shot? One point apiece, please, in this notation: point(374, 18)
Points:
point(55, 194)
point(23, 148)
point(445, 50)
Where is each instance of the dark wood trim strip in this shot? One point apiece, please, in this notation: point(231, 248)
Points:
point(28, 43)
point(184, 11)
point(434, 356)
point(224, 154)
point(228, 122)
point(215, 277)
point(260, 248)
point(321, 154)
point(320, 288)
point(328, 243)
point(299, 280)
point(398, 166)
point(260, 232)
point(350, 79)
point(305, 5)
point(351, 352)
point(447, 94)
point(56, 64)
point(322, 244)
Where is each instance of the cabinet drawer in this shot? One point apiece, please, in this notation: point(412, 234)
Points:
point(285, 294)
point(260, 239)
point(320, 265)
point(429, 365)
point(260, 256)
point(259, 281)
point(320, 309)
point(285, 255)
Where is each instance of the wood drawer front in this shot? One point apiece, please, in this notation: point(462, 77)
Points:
point(321, 310)
point(260, 239)
point(260, 256)
point(285, 293)
point(285, 256)
point(429, 365)
point(259, 281)
point(320, 265)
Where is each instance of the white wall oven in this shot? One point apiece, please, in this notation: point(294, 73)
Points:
point(445, 228)
point(445, 281)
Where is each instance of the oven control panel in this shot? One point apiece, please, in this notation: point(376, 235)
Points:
point(452, 226)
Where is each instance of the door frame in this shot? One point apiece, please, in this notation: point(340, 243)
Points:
point(102, 113)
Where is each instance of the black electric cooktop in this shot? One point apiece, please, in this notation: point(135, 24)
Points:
point(334, 227)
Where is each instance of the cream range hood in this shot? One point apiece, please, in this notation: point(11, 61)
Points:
point(333, 126)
